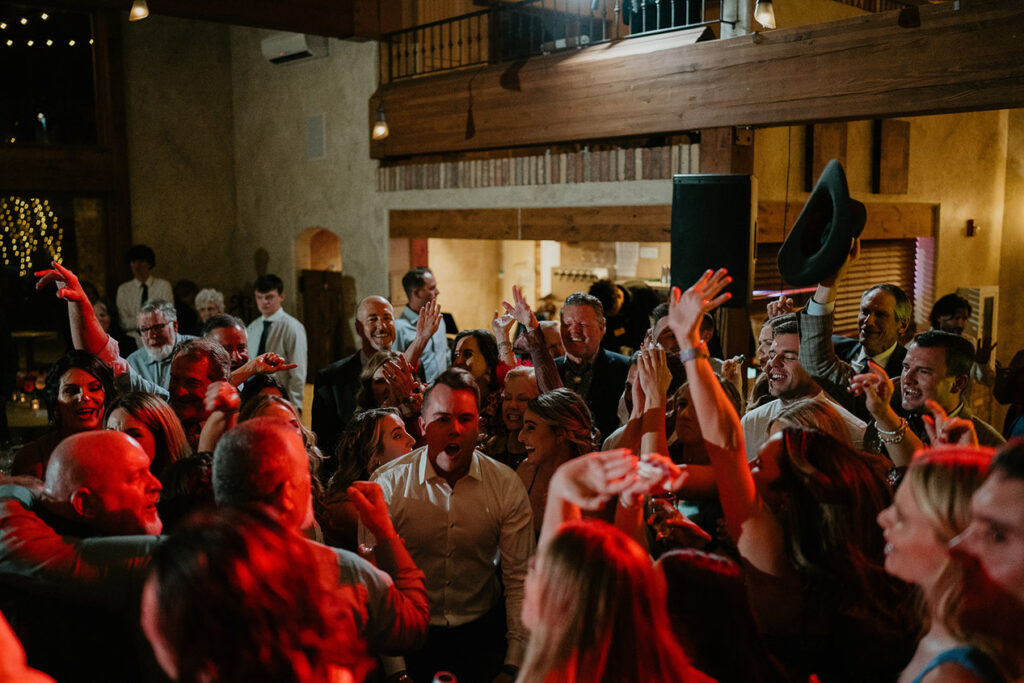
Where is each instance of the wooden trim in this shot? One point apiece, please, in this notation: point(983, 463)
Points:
point(26, 168)
point(858, 68)
point(641, 223)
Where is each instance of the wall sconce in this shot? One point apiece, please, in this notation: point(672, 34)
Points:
point(139, 11)
point(764, 13)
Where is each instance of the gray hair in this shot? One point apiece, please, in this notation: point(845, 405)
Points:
point(165, 308)
point(210, 296)
point(249, 463)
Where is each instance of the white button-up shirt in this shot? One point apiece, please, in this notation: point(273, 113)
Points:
point(456, 536)
point(129, 301)
point(286, 337)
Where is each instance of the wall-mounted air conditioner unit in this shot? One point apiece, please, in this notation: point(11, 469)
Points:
point(290, 47)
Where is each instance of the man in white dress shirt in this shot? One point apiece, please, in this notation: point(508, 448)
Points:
point(458, 512)
point(280, 333)
point(420, 287)
point(789, 382)
point(141, 288)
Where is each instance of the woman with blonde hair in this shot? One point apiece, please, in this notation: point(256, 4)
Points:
point(812, 413)
point(595, 608)
point(557, 427)
point(931, 508)
point(150, 420)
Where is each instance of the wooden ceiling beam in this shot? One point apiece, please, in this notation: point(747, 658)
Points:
point(863, 67)
point(335, 18)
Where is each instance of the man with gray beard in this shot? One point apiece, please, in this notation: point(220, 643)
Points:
point(158, 325)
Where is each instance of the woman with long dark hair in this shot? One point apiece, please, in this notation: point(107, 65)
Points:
point(78, 387)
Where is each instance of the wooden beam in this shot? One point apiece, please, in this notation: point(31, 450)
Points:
point(56, 169)
point(337, 18)
point(885, 220)
point(641, 223)
point(859, 68)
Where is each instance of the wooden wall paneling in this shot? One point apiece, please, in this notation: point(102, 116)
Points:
point(890, 156)
point(824, 142)
point(963, 59)
point(598, 224)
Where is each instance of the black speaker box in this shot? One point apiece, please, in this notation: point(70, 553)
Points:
point(713, 226)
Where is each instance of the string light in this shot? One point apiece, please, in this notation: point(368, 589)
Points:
point(28, 225)
point(3, 25)
point(24, 21)
point(31, 43)
point(71, 43)
point(49, 43)
point(10, 43)
point(44, 16)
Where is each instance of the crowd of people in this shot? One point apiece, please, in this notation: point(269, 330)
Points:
point(596, 497)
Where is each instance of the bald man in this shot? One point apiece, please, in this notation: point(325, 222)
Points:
point(336, 386)
point(263, 461)
point(72, 560)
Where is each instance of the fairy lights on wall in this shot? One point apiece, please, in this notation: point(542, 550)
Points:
point(29, 225)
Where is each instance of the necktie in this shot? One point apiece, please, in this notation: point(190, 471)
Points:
point(145, 294)
point(263, 338)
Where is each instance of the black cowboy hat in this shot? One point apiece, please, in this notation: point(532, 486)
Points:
point(819, 242)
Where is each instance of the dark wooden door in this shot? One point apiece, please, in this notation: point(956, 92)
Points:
point(325, 316)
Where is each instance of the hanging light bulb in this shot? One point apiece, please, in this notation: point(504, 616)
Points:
point(380, 128)
point(764, 13)
point(140, 10)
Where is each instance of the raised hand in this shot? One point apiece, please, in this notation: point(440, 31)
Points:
point(876, 388)
point(731, 369)
point(983, 354)
point(687, 309)
point(521, 311)
point(368, 500)
point(269, 363)
point(592, 480)
point(943, 429)
point(501, 324)
point(653, 375)
point(429, 320)
point(398, 373)
point(222, 397)
point(68, 286)
point(780, 306)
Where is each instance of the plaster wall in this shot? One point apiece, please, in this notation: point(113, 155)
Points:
point(180, 146)
point(1011, 273)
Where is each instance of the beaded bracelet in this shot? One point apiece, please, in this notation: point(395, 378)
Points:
point(895, 436)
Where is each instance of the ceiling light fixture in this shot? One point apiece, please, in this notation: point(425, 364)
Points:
point(764, 13)
point(139, 11)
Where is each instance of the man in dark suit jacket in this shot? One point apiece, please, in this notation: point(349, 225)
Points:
point(596, 374)
point(885, 312)
point(336, 386)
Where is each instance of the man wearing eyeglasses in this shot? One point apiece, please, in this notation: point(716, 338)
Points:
point(789, 382)
point(158, 325)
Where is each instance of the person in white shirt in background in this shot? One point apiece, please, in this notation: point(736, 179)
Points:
point(276, 331)
point(143, 287)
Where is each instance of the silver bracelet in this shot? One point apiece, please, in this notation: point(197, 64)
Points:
point(895, 436)
point(698, 351)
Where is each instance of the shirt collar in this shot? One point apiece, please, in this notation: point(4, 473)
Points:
point(275, 316)
point(426, 471)
point(881, 359)
point(410, 314)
